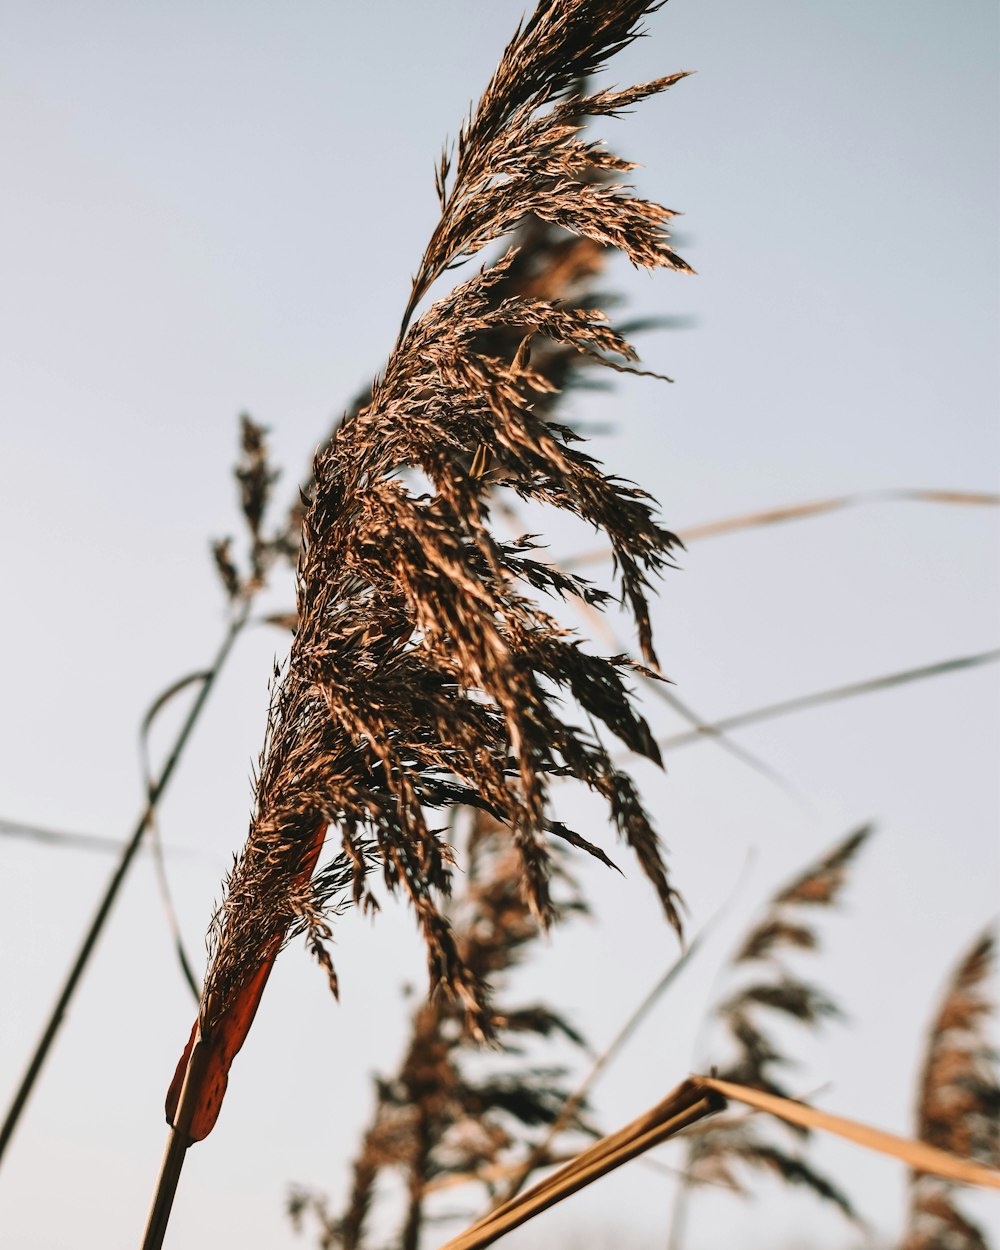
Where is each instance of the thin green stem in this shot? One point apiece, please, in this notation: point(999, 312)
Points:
point(115, 883)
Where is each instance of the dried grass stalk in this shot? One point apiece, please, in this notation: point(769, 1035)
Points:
point(806, 511)
point(917, 1154)
point(835, 694)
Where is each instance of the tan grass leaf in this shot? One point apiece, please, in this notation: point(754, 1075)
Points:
point(914, 1153)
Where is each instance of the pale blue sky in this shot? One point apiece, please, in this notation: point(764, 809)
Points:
point(215, 207)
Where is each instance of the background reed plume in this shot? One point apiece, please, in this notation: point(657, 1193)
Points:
point(424, 669)
point(958, 1102)
point(255, 479)
point(770, 989)
point(438, 1116)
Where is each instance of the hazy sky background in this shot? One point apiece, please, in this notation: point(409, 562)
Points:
point(215, 207)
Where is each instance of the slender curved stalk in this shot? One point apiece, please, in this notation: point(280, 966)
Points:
point(803, 512)
point(666, 695)
point(916, 1154)
point(57, 837)
point(153, 829)
point(802, 703)
point(539, 1155)
point(115, 882)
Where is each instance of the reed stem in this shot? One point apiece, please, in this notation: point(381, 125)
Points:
point(176, 1151)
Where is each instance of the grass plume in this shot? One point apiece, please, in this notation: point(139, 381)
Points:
point(424, 667)
point(959, 1103)
point(770, 989)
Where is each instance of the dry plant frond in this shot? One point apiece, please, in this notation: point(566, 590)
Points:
point(518, 152)
point(255, 477)
point(959, 1102)
point(546, 263)
point(718, 1154)
point(820, 885)
point(424, 669)
point(435, 1119)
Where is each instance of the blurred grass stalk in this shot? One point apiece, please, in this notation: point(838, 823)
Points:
point(128, 852)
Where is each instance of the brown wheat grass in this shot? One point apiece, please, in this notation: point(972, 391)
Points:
point(423, 668)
